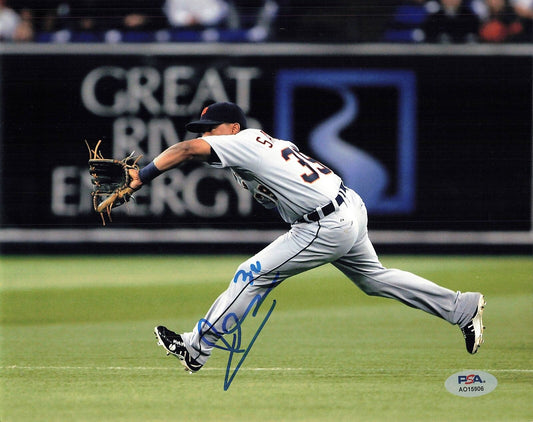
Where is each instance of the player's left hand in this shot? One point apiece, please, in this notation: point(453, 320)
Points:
point(135, 183)
point(114, 181)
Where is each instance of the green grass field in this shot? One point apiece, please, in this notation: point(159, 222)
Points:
point(77, 344)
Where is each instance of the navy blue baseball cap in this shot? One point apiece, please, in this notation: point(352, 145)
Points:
point(216, 114)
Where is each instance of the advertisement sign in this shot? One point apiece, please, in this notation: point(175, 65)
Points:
point(431, 142)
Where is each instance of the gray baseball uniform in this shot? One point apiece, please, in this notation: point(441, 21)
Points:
point(328, 225)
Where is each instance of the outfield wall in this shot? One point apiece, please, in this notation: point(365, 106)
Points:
point(442, 136)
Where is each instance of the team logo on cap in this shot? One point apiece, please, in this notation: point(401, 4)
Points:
point(204, 111)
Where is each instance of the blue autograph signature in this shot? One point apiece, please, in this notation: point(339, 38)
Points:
point(231, 325)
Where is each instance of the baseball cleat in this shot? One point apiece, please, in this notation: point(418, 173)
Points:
point(173, 344)
point(473, 331)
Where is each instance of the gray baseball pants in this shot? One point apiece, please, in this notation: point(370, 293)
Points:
point(340, 238)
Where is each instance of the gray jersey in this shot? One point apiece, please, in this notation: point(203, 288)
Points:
point(276, 172)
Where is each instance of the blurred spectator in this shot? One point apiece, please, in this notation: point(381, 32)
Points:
point(24, 31)
point(250, 19)
point(524, 9)
point(407, 22)
point(37, 15)
point(197, 13)
point(9, 22)
point(499, 22)
point(451, 21)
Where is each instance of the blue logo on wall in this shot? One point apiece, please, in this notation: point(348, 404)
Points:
point(362, 123)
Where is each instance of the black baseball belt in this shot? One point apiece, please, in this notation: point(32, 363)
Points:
point(327, 209)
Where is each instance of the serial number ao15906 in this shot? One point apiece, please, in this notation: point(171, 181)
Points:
point(476, 388)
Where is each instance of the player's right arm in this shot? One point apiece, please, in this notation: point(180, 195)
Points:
point(173, 156)
point(195, 149)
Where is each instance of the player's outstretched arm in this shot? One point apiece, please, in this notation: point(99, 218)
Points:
point(195, 149)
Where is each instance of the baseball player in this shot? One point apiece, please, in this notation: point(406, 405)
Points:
point(328, 225)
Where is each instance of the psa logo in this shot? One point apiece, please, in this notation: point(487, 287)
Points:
point(471, 383)
point(361, 123)
point(469, 379)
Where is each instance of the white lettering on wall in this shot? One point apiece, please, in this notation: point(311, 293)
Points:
point(173, 192)
point(142, 100)
point(164, 92)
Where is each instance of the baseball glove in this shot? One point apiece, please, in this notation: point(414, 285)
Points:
point(110, 179)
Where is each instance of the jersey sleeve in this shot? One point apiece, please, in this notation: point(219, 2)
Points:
point(235, 150)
